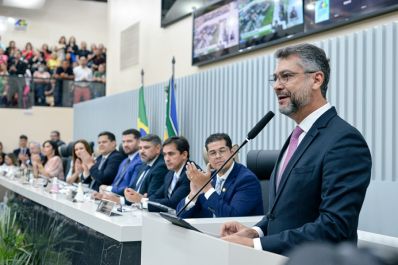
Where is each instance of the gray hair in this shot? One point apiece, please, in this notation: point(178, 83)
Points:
point(153, 138)
point(312, 59)
point(36, 144)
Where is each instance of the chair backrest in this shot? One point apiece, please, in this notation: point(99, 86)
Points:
point(262, 162)
point(66, 149)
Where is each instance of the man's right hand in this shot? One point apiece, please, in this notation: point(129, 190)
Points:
point(230, 228)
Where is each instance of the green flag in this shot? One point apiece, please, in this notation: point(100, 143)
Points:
point(142, 121)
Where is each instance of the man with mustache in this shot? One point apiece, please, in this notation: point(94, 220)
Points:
point(320, 179)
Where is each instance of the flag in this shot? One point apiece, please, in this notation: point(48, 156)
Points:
point(171, 112)
point(142, 121)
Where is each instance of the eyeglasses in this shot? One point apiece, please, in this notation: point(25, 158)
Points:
point(221, 152)
point(284, 77)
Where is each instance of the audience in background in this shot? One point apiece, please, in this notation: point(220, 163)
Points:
point(82, 74)
point(2, 155)
point(77, 167)
point(22, 152)
point(28, 61)
point(9, 166)
point(34, 149)
point(52, 166)
point(55, 136)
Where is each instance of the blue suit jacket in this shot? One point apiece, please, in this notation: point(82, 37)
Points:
point(153, 179)
point(108, 171)
point(180, 191)
point(322, 188)
point(240, 196)
point(123, 180)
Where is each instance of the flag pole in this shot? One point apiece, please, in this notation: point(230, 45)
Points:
point(142, 77)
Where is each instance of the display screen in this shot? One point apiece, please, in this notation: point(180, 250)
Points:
point(231, 27)
point(216, 32)
point(261, 21)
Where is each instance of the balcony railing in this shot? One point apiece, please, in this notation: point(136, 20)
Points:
point(22, 92)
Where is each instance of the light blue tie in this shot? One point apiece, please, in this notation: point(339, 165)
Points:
point(219, 184)
point(172, 185)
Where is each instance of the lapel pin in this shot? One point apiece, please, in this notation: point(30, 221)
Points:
point(223, 189)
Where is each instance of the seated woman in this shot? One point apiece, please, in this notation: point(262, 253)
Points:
point(76, 165)
point(52, 166)
point(9, 167)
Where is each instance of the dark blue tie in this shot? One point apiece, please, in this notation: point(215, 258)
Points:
point(142, 177)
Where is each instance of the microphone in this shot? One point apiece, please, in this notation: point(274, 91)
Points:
point(250, 136)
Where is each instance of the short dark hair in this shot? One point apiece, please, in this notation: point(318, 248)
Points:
point(56, 132)
point(136, 133)
point(23, 136)
point(110, 135)
point(180, 142)
point(312, 58)
point(218, 137)
point(153, 138)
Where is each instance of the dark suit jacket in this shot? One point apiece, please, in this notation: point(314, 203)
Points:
point(108, 171)
point(322, 188)
point(153, 179)
point(240, 196)
point(180, 191)
point(18, 150)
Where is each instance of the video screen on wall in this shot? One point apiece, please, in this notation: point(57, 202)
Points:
point(235, 26)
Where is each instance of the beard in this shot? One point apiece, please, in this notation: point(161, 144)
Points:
point(297, 100)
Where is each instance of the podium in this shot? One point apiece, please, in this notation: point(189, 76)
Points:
point(165, 243)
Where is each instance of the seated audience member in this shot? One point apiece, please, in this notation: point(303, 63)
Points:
point(41, 82)
point(97, 59)
point(235, 191)
point(22, 153)
point(176, 184)
point(34, 149)
point(83, 51)
point(64, 76)
point(2, 155)
point(53, 62)
point(52, 166)
point(3, 57)
point(83, 75)
point(76, 166)
point(27, 53)
point(151, 176)
point(104, 169)
point(9, 167)
point(17, 66)
point(55, 136)
point(128, 169)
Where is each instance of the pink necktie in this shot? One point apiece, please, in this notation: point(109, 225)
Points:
point(290, 151)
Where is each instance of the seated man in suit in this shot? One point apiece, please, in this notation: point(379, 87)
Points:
point(176, 184)
point(128, 169)
point(104, 169)
point(22, 152)
point(235, 191)
point(320, 179)
point(150, 178)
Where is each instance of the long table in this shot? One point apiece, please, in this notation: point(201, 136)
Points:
point(105, 240)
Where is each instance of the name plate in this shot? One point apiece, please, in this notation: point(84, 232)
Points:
point(106, 207)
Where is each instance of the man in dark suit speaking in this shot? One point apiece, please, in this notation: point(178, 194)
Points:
point(320, 179)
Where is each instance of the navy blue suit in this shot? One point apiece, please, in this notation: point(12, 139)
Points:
point(153, 179)
point(180, 191)
point(127, 173)
point(240, 196)
point(322, 188)
point(108, 171)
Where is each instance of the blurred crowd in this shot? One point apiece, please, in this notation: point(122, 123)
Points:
point(44, 71)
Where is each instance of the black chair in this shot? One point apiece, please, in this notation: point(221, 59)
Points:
point(66, 149)
point(261, 163)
